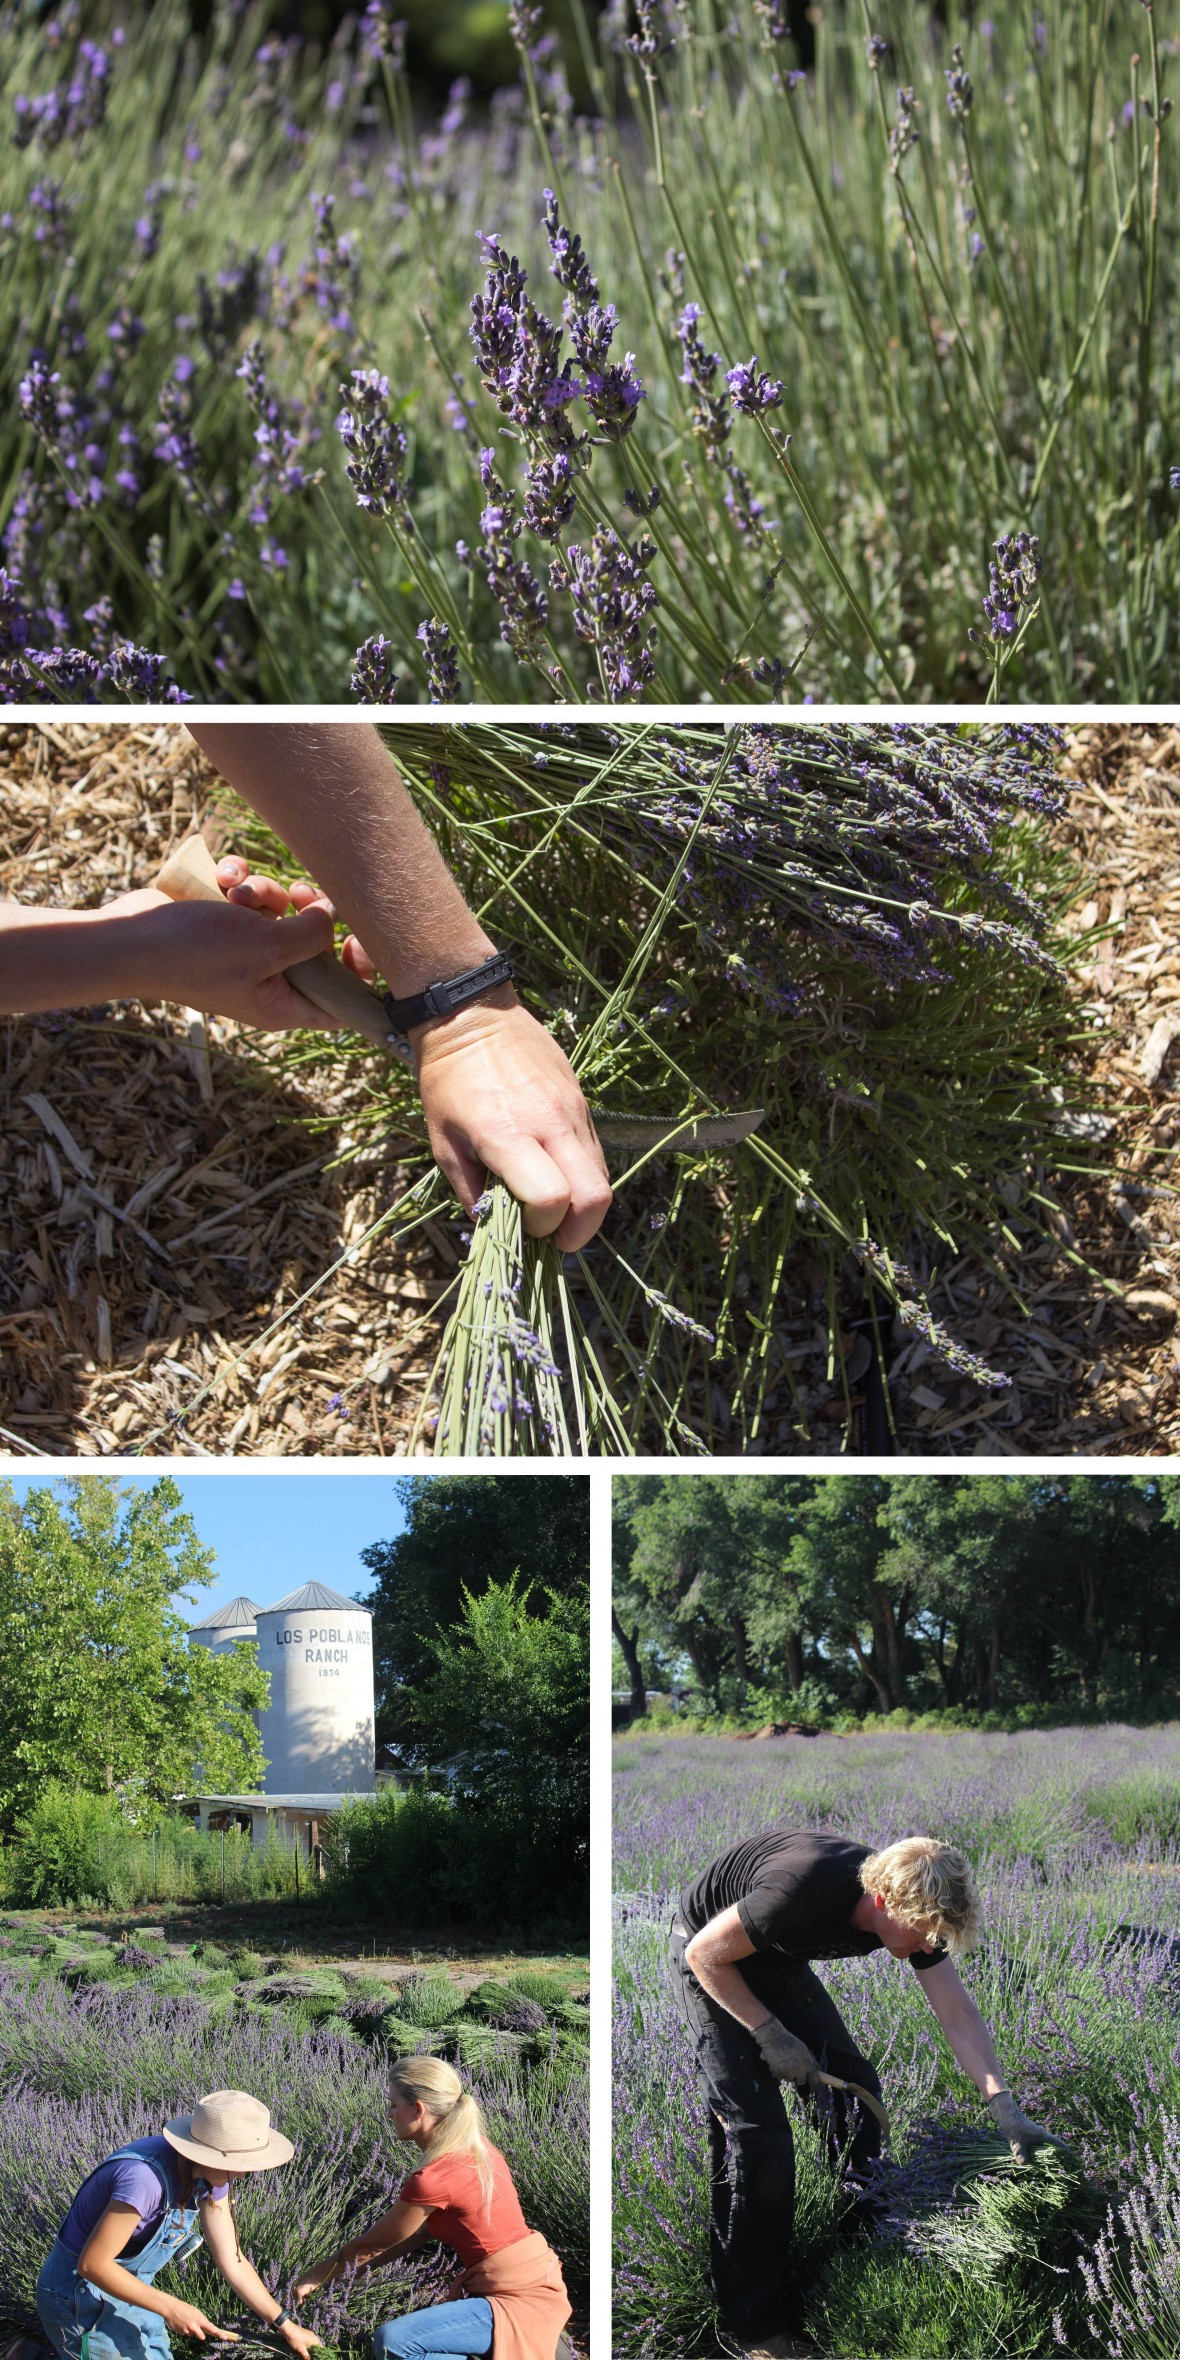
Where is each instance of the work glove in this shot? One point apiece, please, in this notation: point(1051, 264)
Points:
point(1022, 2135)
point(788, 2059)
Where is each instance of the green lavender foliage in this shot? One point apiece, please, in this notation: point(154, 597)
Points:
point(864, 342)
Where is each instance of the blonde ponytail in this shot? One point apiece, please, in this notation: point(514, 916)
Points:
point(459, 2125)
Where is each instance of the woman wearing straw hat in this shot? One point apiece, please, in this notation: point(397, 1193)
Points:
point(509, 2297)
point(153, 2202)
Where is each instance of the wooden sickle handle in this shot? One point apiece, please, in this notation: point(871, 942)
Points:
point(190, 874)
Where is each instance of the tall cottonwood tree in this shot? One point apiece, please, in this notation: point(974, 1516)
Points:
point(982, 1592)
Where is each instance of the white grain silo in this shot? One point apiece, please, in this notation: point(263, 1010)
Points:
point(232, 1622)
point(317, 1730)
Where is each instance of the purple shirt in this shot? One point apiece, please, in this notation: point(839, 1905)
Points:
point(126, 2179)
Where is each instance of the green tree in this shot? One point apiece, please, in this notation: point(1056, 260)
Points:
point(462, 1534)
point(99, 1688)
point(507, 1710)
point(860, 1597)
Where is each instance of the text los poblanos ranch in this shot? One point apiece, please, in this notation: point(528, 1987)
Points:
point(325, 1644)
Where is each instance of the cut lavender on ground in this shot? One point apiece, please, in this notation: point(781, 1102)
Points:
point(856, 928)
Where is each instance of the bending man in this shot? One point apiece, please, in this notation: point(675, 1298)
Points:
point(742, 1944)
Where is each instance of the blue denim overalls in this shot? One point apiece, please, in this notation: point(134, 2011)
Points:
point(83, 2324)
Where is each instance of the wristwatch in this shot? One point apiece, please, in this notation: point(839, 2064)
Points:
point(442, 999)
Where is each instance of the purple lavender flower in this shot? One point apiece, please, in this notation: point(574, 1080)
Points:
point(376, 444)
point(711, 421)
point(137, 673)
point(176, 445)
point(570, 266)
point(383, 35)
point(959, 93)
point(613, 390)
point(549, 495)
point(611, 601)
point(372, 678)
point(751, 390)
point(876, 51)
point(518, 352)
point(72, 108)
point(442, 664)
point(524, 608)
point(648, 42)
point(437, 147)
point(51, 214)
point(905, 133)
point(62, 419)
point(776, 18)
point(333, 273)
point(1013, 577)
point(524, 25)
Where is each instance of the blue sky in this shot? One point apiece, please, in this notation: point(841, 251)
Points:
point(272, 1532)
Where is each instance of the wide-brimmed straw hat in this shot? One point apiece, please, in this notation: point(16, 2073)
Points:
point(230, 2131)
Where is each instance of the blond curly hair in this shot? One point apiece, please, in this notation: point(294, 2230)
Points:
point(929, 1887)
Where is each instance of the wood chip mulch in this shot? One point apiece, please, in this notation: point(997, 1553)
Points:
point(167, 1190)
point(165, 1186)
point(1095, 1355)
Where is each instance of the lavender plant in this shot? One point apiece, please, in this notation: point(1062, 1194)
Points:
point(1075, 2253)
point(753, 390)
point(82, 2072)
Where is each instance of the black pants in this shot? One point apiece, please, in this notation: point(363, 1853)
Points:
point(751, 2154)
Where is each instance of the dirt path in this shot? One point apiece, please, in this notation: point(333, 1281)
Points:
point(196, 1192)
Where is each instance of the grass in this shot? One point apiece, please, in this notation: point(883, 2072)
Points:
point(848, 371)
point(1073, 1838)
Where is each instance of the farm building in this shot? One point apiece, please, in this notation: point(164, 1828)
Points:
point(318, 1729)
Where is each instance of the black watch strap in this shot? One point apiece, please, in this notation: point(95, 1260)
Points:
point(442, 999)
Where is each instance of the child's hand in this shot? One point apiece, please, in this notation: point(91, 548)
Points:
point(228, 961)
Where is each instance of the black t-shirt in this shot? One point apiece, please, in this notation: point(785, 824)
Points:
point(795, 1891)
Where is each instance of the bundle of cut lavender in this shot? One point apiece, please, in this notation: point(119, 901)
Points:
point(855, 928)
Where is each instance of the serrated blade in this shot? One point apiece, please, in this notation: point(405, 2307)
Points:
point(678, 1134)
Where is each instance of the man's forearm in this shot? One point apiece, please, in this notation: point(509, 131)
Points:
point(334, 795)
point(972, 2047)
point(726, 1983)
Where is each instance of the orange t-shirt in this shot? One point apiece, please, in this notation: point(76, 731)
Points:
point(459, 2217)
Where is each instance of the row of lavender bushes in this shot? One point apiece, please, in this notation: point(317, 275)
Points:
point(1076, 1844)
point(83, 2069)
point(745, 382)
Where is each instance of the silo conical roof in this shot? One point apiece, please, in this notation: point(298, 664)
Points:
point(239, 1610)
point(314, 1598)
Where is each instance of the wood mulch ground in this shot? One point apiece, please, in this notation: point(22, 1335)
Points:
point(168, 1191)
point(1095, 1359)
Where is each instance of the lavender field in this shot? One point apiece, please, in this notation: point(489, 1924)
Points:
point(686, 366)
point(86, 2064)
point(1075, 1835)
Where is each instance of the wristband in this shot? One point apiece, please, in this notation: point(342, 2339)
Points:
point(282, 2319)
point(442, 999)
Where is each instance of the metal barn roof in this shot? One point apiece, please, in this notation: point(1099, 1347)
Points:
point(314, 1598)
point(239, 1610)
